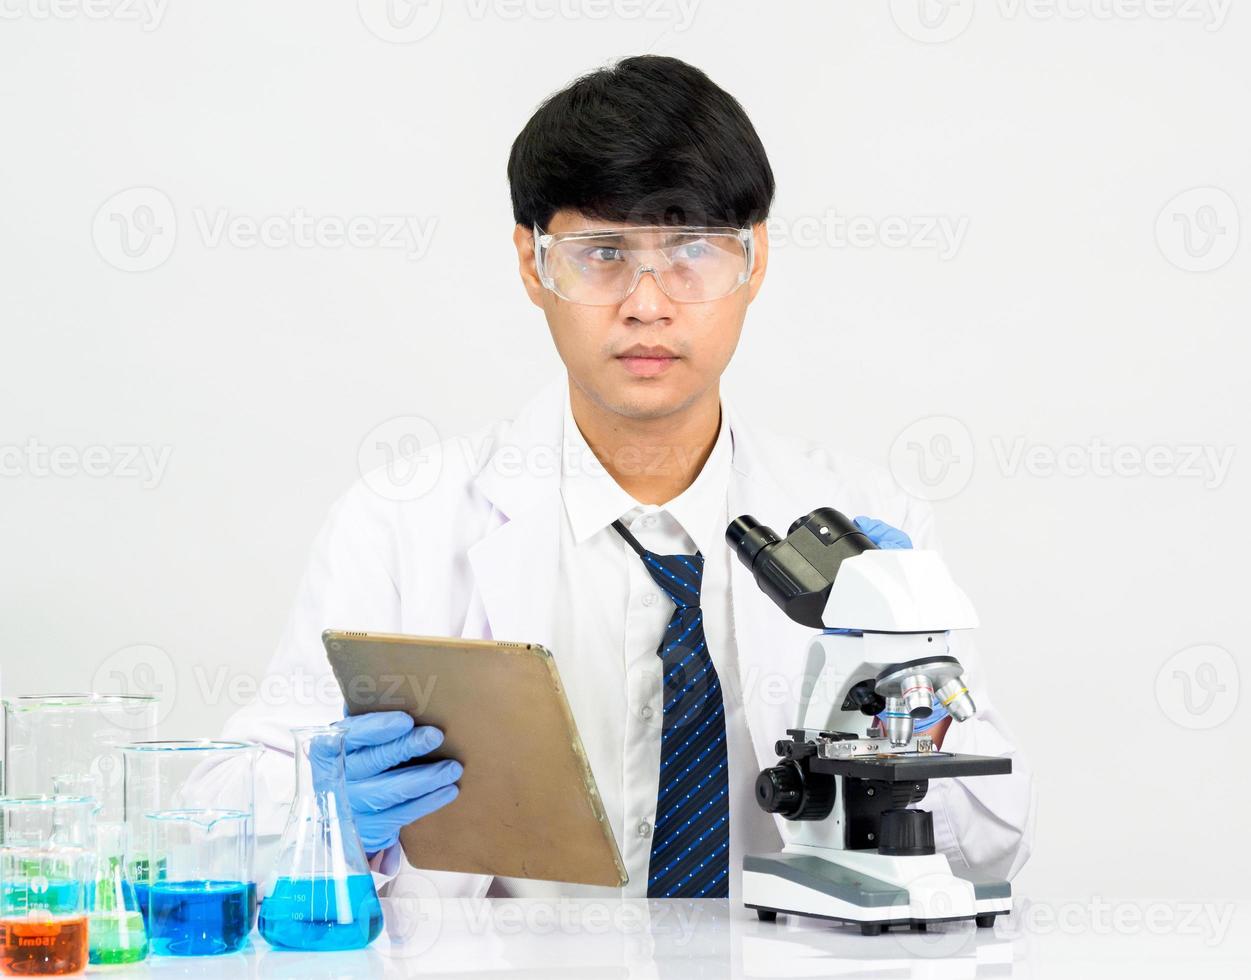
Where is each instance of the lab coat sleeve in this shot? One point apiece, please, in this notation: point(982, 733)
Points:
point(349, 583)
point(982, 823)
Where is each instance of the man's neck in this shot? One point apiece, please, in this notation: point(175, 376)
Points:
point(653, 460)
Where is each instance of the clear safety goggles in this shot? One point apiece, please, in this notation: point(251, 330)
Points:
point(601, 267)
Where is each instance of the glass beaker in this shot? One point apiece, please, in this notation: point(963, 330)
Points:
point(321, 895)
point(190, 808)
point(69, 744)
point(115, 922)
point(47, 858)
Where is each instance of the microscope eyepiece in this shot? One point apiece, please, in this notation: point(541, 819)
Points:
point(748, 537)
point(797, 571)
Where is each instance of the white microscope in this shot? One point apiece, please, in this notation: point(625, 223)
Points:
point(855, 850)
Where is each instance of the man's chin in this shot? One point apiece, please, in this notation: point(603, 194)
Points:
point(646, 400)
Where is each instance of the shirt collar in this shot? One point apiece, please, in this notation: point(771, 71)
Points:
point(593, 499)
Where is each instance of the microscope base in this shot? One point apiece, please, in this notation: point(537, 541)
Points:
point(805, 884)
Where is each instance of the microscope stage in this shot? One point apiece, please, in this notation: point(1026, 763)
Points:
point(902, 767)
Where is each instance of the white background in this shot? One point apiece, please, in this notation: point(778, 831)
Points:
point(1082, 306)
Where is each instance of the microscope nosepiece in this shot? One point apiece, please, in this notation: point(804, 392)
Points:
point(917, 693)
point(898, 722)
point(955, 697)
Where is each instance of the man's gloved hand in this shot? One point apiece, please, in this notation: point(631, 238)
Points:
point(384, 802)
point(882, 534)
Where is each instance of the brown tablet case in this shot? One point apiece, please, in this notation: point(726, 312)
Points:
point(528, 806)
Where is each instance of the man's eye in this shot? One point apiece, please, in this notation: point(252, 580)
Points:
point(692, 251)
point(604, 253)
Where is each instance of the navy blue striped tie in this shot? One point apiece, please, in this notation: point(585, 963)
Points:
point(691, 836)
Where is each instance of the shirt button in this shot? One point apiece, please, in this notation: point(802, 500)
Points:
point(649, 520)
point(645, 828)
point(649, 599)
point(645, 712)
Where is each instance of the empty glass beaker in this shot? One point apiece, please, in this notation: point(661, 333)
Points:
point(321, 894)
point(69, 744)
point(47, 857)
point(190, 807)
point(115, 922)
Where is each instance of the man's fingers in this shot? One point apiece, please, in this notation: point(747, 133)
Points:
point(374, 759)
point(374, 728)
point(378, 831)
point(378, 793)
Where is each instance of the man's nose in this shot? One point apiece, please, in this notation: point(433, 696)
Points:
point(648, 303)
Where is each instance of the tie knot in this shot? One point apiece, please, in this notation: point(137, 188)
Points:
point(678, 575)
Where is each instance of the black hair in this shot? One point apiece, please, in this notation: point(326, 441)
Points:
point(649, 140)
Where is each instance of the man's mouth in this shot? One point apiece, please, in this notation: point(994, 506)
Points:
point(646, 362)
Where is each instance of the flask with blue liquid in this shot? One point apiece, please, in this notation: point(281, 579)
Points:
point(321, 893)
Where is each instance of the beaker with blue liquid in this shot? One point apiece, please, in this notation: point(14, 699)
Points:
point(321, 894)
point(190, 805)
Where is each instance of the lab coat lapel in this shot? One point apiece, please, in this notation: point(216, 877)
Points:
point(515, 564)
point(771, 646)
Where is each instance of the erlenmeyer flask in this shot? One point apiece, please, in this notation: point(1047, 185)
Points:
point(115, 923)
point(321, 894)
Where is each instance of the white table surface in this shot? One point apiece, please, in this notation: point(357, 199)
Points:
point(589, 939)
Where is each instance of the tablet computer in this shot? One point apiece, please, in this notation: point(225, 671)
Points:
point(528, 806)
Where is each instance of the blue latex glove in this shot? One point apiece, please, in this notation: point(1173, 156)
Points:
point(384, 802)
point(882, 534)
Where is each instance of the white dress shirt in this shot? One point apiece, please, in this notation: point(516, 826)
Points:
point(611, 619)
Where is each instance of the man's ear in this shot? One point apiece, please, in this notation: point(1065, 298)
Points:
point(523, 239)
point(760, 240)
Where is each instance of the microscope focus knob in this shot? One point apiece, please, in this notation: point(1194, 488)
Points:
point(795, 792)
point(906, 832)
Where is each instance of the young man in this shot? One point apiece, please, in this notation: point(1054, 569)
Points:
point(640, 194)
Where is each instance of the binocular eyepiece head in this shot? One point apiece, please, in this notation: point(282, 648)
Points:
point(797, 571)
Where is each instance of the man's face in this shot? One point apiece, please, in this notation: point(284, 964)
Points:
point(649, 356)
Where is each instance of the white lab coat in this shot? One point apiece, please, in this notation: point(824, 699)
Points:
point(475, 556)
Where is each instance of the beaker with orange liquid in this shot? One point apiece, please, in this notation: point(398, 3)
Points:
point(47, 862)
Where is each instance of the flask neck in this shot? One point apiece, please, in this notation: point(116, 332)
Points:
point(320, 771)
